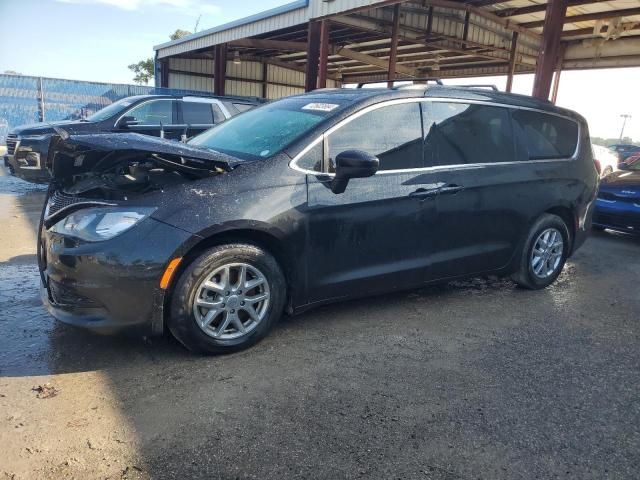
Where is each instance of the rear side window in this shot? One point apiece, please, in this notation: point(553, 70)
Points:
point(242, 107)
point(392, 133)
point(218, 116)
point(194, 113)
point(546, 136)
point(461, 133)
point(155, 112)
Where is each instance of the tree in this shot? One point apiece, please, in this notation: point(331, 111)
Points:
point(144, 71)
point(11, 72)
point(179, 34)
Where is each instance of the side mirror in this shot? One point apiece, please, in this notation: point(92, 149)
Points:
point(127, 121)
point(353, 164)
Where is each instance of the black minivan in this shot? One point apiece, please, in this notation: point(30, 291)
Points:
point(168, 116)
point(311, 199)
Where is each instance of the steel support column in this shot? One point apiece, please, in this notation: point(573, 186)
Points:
point(550, 47)
point(556, 78)
point(219, 68)
point(393, 49)
point(313, 56)
point(324, 54)
point(512, 60)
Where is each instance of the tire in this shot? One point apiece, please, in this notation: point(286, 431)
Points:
point(526, 276)
point(188, 321)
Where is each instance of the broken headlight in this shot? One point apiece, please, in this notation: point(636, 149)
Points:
point(97, 224)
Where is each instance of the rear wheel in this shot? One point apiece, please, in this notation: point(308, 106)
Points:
point(227, 299)
point(545, 253)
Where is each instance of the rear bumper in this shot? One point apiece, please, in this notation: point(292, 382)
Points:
point(112, 285)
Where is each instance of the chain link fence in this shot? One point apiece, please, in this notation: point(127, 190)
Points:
point(25, 100)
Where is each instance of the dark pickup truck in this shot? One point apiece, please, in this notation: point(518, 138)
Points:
point(175, 117)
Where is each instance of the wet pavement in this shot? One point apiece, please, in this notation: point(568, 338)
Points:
point(474, 379)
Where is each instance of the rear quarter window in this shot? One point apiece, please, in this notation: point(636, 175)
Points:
point(462, 133)
point(197, 113)
point(546, 136)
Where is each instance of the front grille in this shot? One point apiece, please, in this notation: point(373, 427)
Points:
point(12, 143)
point(59, 201)
point(626, 222)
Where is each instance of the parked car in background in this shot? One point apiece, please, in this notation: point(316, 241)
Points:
point(607, 160)
point(167, 116)
point(308, 200)
point(624, 150)
point(618, 202)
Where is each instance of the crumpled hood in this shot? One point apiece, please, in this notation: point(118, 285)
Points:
point(74, 154)
point(146, 143)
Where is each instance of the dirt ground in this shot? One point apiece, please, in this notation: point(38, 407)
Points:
point(470, 380)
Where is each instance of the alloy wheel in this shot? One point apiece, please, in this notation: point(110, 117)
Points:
point(546, 254)
point(231, 301)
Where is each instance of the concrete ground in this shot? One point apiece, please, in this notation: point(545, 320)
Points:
point(470, 380)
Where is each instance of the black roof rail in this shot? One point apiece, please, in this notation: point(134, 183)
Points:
point(415, 81)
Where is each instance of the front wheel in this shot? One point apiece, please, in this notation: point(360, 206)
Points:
point(227, 299)
point(545, 253)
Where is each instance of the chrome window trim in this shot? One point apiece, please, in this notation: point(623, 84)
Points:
point(293, 164)
point(115, 125)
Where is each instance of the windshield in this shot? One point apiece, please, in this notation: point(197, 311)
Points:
point(265, 131)
point(110, 110)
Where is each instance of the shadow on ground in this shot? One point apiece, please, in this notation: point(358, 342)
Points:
point(474, 379)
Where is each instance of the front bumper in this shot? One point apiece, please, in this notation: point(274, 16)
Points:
point(622, 216)
point(111, 285)
point(28, 160)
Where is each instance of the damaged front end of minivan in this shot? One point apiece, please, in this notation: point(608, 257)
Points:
point(100, 190)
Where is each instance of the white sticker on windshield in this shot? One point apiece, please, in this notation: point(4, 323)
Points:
point(322, 107)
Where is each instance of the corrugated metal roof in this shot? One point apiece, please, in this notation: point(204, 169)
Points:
point(436, 46)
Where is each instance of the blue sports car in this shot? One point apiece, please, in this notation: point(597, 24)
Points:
point(618, 202)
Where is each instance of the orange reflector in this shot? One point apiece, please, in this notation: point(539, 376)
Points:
point(168, 273)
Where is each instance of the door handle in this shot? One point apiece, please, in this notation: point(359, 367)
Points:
point(424, 193)
point(450, 189)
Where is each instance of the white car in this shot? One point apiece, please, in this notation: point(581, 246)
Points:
point(607, 159)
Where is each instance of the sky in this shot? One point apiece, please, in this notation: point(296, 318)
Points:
point(95, 40)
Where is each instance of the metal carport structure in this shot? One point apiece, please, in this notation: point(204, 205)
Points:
point(312, 44)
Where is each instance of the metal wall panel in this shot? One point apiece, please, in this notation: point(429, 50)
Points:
point(190, 82)
point(244, 89)
point(191, 65)
point(251, 70)
point(276, 74)
point(281, 81)
point(279, 91)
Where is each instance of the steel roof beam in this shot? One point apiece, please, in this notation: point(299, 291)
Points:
point(513, 12)
point(579, 32)
point(588, 17)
